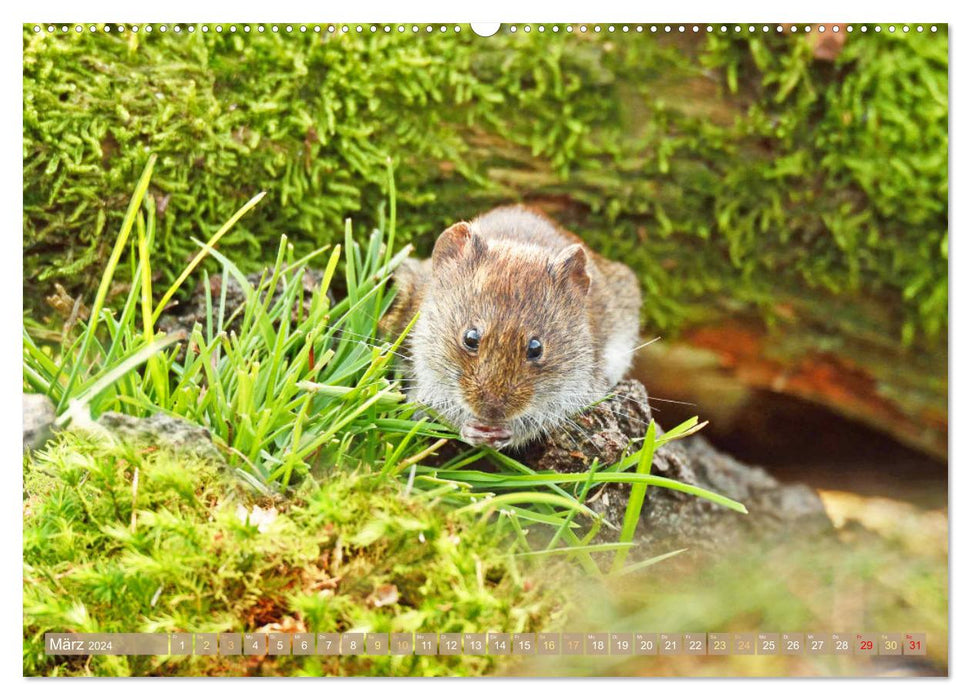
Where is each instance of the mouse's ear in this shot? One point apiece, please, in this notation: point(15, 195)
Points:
point(570, 266)
point(456, 242)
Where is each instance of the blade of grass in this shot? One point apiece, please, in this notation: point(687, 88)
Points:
point(635, 502)
point(79, 404)
point(494, 502)
point(106, 277)
point(568, 522)
point(206, 249)
point(646, 563)
point(586, 548)
point(491, 481)
point(155, 369)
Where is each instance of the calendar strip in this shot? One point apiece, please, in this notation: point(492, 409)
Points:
point(488, 643)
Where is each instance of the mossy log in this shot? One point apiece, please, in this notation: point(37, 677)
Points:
point(785, 205)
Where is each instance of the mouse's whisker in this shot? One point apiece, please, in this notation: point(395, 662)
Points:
point(654, 398)
point(544, 428)
point(651, 397)
point(644, 345)
point(343, 331)
point(645, 405)
point(683, 403)
point(376, 342)
point(588, 438)
point(382, 348)
point(337, 331)
point(603, 405)
point(636, 424)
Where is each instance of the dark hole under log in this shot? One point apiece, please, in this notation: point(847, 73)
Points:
point(797, 440)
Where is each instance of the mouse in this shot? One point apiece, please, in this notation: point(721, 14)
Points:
point(520, 326)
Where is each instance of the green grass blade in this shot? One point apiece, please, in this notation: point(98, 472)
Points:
point(106, 277)
point(206, 249)
point(639, 566)
point(79, 405)
point(635, 502)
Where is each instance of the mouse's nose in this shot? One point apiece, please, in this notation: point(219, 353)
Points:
point(492, 407)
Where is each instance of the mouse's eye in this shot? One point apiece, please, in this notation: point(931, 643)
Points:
point(471, 338)
point(534, 349)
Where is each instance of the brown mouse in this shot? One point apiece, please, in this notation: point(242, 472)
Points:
point(521, 325)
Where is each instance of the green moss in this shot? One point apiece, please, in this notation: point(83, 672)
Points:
point(853, 184)
point(730, 171)
point(172, 553)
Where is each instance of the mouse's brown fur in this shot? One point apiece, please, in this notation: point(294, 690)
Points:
point(514, 276)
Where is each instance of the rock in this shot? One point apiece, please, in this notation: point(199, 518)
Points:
point(605, 432)
point(39, 415)
point(678, 519)
point(161, 430)
point(671, 519)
